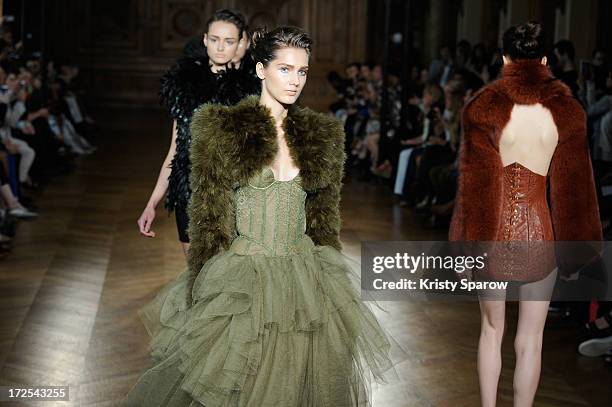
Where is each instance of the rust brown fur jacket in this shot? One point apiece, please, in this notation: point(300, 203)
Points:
point(572, 196)
point(232, 143)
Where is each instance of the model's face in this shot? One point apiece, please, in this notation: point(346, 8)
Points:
point(221, 42)
point(285, 76)
point(243, 45)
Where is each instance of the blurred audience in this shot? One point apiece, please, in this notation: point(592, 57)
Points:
point(44, 127)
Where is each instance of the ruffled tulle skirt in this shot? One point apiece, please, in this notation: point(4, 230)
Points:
point(265, 331)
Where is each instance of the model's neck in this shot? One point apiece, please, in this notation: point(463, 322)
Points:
point(279, 111)
point(215, 68)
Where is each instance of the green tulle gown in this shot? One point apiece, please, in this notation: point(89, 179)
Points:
point(277, 321)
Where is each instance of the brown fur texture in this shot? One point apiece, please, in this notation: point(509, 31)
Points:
point(231, 144)
point(572, 196)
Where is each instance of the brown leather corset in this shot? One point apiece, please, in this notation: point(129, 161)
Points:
point(524, 250)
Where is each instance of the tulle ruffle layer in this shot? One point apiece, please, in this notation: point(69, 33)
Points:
point(263, 331)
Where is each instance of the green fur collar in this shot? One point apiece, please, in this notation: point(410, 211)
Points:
point(241, 140)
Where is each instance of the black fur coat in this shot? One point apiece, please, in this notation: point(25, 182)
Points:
point(187, 85)
point(231, 144)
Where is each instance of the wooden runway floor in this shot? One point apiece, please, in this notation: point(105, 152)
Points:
point(70, 290)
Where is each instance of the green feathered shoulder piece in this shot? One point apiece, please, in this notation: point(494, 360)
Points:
point(230, 144)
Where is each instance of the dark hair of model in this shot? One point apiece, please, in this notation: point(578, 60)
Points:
point(228, 16)
point(524, 41)
point(266, 43)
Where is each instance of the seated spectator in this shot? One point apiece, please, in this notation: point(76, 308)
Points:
point(599, 113)
point(74, 106)
point(478, 60)
point(463, 51)
point(66, 133)
point(9, 201)
point(31, 126)
point(16, 146)
point(597, 334)
point(441, 151)
point(599, 63)
point(370, 143)
point(565, 69)
point(441, 67)
point(340, 85)
point(433, 99)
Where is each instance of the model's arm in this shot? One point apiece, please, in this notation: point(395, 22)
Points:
point(323, 206)
point(323, 214)
point(148, 214)
point(479, 188)
point(573, 197)
point(211, 207)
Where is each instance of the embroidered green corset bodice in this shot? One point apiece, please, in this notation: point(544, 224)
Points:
point(270, 215)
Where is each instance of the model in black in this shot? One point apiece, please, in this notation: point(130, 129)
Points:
point(206, 73)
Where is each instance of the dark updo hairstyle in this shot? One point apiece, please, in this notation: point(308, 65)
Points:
point(524, 41)
point(228, 16)
point(266, 43)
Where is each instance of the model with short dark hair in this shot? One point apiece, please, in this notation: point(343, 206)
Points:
point(520, 133)
point(267, 313)
point(205, 74)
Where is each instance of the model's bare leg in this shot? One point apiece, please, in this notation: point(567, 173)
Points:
point(528, 341)
point(185, 247)
point(492, 325)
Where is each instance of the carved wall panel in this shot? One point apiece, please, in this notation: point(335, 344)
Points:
point(123, 46)
point(182, 20)
point(108, 25)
